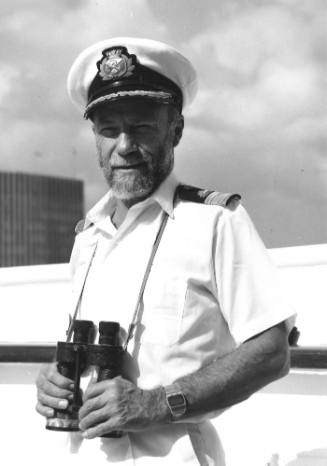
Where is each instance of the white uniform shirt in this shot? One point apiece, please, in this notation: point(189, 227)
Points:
point(211, 287)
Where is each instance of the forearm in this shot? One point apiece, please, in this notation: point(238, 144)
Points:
point(118, 404)
point(235, 376)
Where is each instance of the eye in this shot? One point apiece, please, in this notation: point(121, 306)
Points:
point(143, 127)
point(109, 131)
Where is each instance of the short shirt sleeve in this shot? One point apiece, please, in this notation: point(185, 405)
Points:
point(248, 288)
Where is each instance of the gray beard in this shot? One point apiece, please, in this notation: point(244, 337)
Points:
point(127, 187)
point(142, 184)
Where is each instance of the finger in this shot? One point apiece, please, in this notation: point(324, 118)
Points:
point(49, 373)
point(44, 410)
point(100, 429)
point(58, 379)
point(52, 402)
point(96, 389)
point(93, 405)
point(53, 390)
point(94, 418)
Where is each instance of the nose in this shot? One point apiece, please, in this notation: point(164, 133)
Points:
point(125, 144)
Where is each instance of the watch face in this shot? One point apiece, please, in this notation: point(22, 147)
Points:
point(176, 401)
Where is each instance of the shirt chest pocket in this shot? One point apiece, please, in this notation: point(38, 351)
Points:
point(163, 311)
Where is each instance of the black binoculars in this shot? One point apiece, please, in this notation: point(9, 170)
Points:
point(75, 357)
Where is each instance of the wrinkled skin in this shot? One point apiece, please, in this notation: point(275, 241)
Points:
point(135, 142)
point(115, 404)
point(118, 404)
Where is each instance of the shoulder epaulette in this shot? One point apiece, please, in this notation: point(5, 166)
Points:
point(207, 196)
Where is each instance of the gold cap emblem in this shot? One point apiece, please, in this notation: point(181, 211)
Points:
point(116, 63)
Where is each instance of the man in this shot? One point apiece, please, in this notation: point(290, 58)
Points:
point(209, 325)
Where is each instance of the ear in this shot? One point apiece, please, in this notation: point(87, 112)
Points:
point(178, 130)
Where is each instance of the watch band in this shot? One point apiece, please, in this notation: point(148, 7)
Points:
point(176, 401)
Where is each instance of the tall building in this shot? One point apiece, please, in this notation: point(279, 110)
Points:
point(38, 215)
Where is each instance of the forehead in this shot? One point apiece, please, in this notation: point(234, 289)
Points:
point(130, 109)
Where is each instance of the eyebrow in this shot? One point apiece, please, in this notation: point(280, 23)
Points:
point(133, 119)
point(106, 121)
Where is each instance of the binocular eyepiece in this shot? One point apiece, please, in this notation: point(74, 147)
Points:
point(75, 357)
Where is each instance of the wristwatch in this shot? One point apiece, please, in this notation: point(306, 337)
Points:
point(176, 401)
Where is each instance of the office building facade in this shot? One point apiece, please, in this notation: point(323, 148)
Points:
point(38, 215)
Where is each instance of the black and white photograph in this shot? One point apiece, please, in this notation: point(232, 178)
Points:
point(163, 232)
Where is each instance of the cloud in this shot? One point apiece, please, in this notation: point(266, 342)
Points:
point(261, 66)
point(41, 129)
point(263, 95)
point(277, 96)
point(257, 125)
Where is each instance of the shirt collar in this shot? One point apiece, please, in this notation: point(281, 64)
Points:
point(165, 193)
point(164, 196)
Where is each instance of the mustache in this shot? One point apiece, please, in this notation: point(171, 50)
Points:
point(127, 165)
point(129, 160)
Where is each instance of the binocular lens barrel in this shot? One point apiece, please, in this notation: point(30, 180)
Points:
point(109, 333)
point(71, 362)
point(83, 331)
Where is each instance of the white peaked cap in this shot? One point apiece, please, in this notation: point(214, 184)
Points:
point(146, 68)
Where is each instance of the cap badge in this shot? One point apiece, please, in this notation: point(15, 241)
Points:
point(116, 63)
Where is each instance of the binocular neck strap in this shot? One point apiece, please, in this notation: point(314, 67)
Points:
point(137, 316)
point(70, 330)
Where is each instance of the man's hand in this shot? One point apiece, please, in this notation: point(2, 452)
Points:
point(118, 404)
point(53, 390)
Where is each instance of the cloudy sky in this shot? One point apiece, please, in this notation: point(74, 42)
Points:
point(257, 126)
